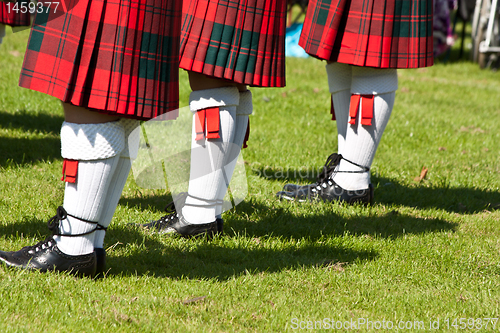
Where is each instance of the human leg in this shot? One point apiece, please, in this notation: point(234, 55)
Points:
point(115, 190)
point(243, 111)
point(346, 176)
point(91, 153)
point(213, 103)
point(377, 91)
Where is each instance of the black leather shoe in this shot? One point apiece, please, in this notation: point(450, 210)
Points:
point(296, 187)
point(100, 255)
point(157, 225)
point(46, 256)
point(331, 164)
point(173, 223)
point(326, 189)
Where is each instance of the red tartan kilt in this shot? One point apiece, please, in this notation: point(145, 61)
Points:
point(371, 33)
point(13, 18)
point(115, 57)
point(236, 40)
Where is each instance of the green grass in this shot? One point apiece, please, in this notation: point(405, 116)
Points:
point(425, 251)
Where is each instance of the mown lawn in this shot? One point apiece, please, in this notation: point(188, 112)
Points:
point(424, 255)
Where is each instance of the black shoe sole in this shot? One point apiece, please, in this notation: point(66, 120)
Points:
point(286, 195)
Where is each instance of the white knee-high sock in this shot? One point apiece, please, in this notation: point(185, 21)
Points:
point(362, 140)
point(243, 111)
point(208, 153)
point(119, 177)
point(96, 149)
point(84, 200)
point(339, 83)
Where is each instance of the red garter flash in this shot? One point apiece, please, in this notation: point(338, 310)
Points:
point(70, 170)
point(211, 117)
point(366, 109)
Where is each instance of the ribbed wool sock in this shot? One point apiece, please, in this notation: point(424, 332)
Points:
point(213, 130)
point(95, 149)
point(339, 83)
point(243, 111)
point(119, 178)
point(84, 200)
point(362, 140)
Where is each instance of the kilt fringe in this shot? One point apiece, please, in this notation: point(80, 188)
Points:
point(236, 40)
point(116, 57)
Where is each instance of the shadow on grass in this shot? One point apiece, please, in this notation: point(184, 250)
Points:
point(302, 176)
point(316, 242)
point(31, 122)
point(28, 227)
point(455, 200)
point(279, 222)
point(220, 259)
point(148, 203)
point(246, 247)
point(391, 192)
point(22, 151)
point(213, 261)
point(238, 251)
point(27, 150)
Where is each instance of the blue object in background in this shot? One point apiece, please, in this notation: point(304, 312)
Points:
point(292, 48)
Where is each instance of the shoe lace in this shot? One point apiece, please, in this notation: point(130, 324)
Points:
point(55, 221)
point(53, 225)
point(330, 169)
point(171, 210)
point(45, 244)
point(61, 214)
point(167, 219)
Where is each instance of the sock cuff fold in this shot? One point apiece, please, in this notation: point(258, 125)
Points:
point(339, 77)
point(210, 98)
point(87, 142)
point(373, 81)
point(132, 133)
point(245, 108)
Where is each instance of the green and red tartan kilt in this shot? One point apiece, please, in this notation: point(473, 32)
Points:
point(12, 17)
point(240, 41)
point(372, 33)
point(119, 57)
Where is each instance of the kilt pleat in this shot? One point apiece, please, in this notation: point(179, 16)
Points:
point(13, 18)
point(373, 33)
point(237, 40)
point(116, 56)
